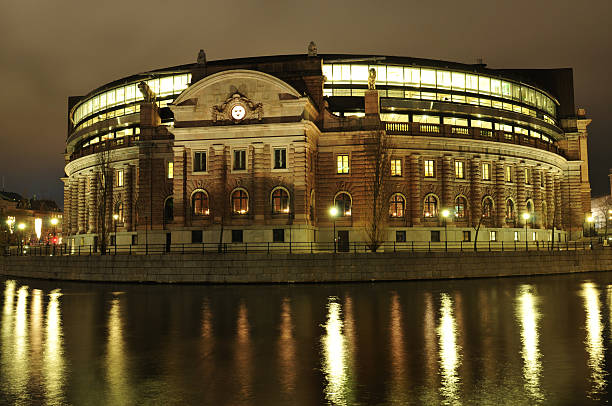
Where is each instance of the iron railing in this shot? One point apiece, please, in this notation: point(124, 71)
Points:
point(298, 248)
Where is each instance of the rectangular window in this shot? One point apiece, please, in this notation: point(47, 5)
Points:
point(119, 177)
point(527, 176)
point(435, 236)
point(199, 162)
point(278, 235)
point(517, 236)
point(280, 158)
point(237, 236)
point(240, 160)
point(196, 236)
point(459, 174)
point(533, 236)
point(343, 163)
point(170, 170)
point(429, 168)
point(467, 236)
point(400, 236)
point(486, 171)
point(508, 173)
point(134, 239)
point(493, 236)
point(396, 167)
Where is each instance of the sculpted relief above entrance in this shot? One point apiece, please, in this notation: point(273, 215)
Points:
point(237, 108)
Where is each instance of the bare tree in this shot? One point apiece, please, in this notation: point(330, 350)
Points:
point(377, 185)
point(104, 183)
point(603, 212)
point(477, 228)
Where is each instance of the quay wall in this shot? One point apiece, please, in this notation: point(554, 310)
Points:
point(303, 268)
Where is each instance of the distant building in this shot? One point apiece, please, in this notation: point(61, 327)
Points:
point(601, 209)
point(41, 219)
point(259, 149)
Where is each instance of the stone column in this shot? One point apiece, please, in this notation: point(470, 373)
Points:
point(82, 213)
point(550, 198)
point(260, 161)
point(558, 212)
point(500, 191)
point(537, 197)
point(128, 197)
point(298, 171)
point(475, 190)
point(74, 205)
point(416, 200)
point(521, 194)
point(179, 185)
point(92, 203)
point(67, 207)
point(447, 183)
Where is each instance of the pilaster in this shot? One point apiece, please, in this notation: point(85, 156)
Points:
point(475, 190)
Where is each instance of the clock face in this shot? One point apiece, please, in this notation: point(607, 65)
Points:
point(238, 112)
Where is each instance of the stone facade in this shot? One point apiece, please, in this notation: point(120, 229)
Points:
point(245, 134)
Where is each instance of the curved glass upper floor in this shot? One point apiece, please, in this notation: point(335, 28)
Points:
point(427, 83)
point(125, 99)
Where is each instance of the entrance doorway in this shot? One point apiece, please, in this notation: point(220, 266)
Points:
point(343, 241)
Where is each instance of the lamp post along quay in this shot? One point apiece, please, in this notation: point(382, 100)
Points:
point(526, 217)
point(445, 214)
point(115, 218)
point(333, 212)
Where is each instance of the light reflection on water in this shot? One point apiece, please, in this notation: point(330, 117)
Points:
point(528, 317)
point(449, 352)
point(594, 339)
point(466, 342)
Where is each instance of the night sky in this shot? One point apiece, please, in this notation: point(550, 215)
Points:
point(52, 50)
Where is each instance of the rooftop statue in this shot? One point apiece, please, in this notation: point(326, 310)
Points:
point(201, 57)
point(312, 49)
point(146, 91)
point(372, 79)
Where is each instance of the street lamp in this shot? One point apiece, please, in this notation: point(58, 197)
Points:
point(445, 214)
point(21, 227)
point(115, 217)
point(333, 211)
point(526, 217)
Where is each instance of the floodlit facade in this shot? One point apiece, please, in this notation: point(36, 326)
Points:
point(259, 149)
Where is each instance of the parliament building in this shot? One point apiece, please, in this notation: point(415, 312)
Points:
point(260, 149)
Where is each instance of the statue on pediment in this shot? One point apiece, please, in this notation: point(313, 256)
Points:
point(147, 94)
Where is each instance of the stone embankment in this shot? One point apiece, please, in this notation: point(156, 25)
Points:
point(298, 268)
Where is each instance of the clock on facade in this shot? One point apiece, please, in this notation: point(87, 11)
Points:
point(238, 112)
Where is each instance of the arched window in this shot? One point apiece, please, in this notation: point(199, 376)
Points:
point(430, 206)
point(199, 203)
point(487, 207)
point(343, 202)
point(280, 201)
point(240, 201)
point(460, 206)
point(529, 207)
point(119, 212)
point(398, 203)
point(168, 210)
point(510, 212)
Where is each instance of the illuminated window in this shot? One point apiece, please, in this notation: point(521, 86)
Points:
point(280, 201)
point(280, 158)
point(508, 173)
point(429, 168)
point(527, 176)
point(343, 163)
point(398, 203)
point(460, 205)
point(170, 170)
point(492, 235)
point(459, 173)
point(486, 171)
point(487, 207)
point(467, 236)
point(199, 203)
point(240, 202)
point(510, 212)
point(119, 177)
point(343, 203)
point(119, 212)
point(240, 160)
point(199, 161)
point(430, 206)
point(517, 236)
point(396, 167)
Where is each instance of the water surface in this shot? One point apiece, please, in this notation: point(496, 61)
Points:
point(516, 341)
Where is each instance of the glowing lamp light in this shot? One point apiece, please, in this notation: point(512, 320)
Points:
point(38, 227)
point(115, 217)
point(21, 226)
point(333, 211)
point(445, 213)
point(526, 216)
point(54, 221)
point(590, 219)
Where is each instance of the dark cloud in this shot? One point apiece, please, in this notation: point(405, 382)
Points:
point(51, 50)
